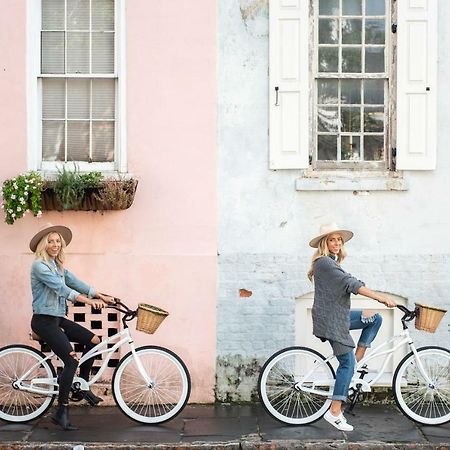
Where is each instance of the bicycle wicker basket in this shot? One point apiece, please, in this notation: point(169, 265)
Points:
point(149, 318)
point(428, 317)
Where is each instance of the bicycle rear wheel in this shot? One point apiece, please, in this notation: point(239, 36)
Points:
point(295, 385)
point(18, 404)
point(164, 397)
point(423, 402)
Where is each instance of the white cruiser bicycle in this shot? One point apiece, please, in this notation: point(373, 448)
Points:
point(296, 384)
point(150, 384)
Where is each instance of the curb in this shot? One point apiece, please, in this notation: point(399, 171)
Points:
point(232, 445)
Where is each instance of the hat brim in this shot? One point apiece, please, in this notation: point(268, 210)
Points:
point(65, 232)
point(346, 236)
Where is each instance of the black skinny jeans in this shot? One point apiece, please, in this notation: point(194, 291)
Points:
point(58, 332)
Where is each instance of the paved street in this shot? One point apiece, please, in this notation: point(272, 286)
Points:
point(232, 427)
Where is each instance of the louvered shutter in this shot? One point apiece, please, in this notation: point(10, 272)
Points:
point(416, 84)
point(289, 84)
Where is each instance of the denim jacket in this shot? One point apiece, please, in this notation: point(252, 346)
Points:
point(51, 288)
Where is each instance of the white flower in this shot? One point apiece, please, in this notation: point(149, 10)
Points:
point(19, 209)
point(15, 186)
point(10, 210)
point(13, 196)
point(39, 214)
point(13, 215)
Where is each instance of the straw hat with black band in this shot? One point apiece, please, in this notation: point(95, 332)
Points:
point(330, 228)
point(49, 228)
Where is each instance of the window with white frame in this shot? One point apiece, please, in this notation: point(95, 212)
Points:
point(352, 84)
point(78, 85)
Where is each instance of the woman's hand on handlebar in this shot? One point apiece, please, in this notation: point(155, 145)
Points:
point(388, 302)
point(106, 298)
point(96, 303)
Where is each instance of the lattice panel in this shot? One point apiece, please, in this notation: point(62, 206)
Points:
point(104, 323)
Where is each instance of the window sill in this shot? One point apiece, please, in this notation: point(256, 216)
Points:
point(313, 180)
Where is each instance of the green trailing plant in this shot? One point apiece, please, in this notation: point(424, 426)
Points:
point(22, 194)
point(70, 186)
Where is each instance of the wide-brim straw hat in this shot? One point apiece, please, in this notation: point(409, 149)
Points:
point(330, 228)
point(49, 228)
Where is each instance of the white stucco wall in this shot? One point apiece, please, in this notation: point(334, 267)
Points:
point(400, 244)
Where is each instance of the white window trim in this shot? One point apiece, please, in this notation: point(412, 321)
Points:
point(34, 100)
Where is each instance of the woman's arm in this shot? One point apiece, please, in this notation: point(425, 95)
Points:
point(363, 290)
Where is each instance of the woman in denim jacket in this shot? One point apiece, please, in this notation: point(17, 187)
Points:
point(332, 318)
point(52, 285)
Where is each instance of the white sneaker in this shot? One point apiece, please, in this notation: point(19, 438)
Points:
point(339, 422)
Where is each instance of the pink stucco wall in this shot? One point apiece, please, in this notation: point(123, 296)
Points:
point(163, 249)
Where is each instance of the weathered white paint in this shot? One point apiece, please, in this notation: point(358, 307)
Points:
point(400, 244)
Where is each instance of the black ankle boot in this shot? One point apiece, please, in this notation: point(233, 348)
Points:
point(89, 396)
point(61, 417)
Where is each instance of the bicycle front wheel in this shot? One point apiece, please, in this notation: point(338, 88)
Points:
point(295, 385)
point(24, 364)
point(421, 401)
point(163, 397)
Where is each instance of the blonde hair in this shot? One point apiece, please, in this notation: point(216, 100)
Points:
point(322, 250)
point(41, 250)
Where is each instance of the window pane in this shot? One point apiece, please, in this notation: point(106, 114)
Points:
point(375, 7)
point(327, 91)
point(350, 148)
point(374, 119)
point(53, 98)
point(53, 140)
point(351, 91)
point(52, 52)
point(350, 119)
point(351, 60)
point(373, 148)
point(351, 31)
point(103, 15)
point(78, 141)
point(328, 31)
point(52, 15)
point(351, 7)
point(329, 7)
point(78, 15)
point(328, 59)
point(103, 99)
point(375, 31)
point(78, 95)
point(327, 119)
point(77, 52)
point(327, 147)
point(102, 52)
point(374, 59)
point(103, 141)
point(374, 92)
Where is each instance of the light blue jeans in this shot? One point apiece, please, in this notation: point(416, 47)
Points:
point(344, 373)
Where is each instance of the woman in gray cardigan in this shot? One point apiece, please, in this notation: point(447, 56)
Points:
point(332, 318)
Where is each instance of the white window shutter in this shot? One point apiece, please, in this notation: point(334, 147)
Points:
point(289, 84)
point(416, 84)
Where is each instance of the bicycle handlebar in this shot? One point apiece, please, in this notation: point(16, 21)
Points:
point(128, 314)
point(408, 315)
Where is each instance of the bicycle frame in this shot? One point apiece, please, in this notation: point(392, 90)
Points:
point(122, 337)
point(366, 386)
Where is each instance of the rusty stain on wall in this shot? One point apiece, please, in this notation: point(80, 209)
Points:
point(251, 12)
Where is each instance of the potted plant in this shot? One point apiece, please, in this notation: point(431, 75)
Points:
point(20, 195)
point(70, 190)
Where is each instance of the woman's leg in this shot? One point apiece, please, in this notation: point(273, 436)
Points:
point(48, 328)
point(77, 333)
point(344, 375)
point(369, 322)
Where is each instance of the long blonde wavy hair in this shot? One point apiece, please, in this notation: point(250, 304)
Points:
point(322, 250)
point(41, 250)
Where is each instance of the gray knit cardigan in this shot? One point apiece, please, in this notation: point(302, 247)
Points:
point(331, 309)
